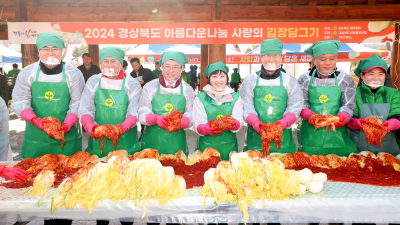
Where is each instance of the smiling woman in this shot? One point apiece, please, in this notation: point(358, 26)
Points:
point(216, 102)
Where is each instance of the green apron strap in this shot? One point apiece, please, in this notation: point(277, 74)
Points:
point(384, 97)
point(123, 83)
point(281, 80)
point(63, 71)
point(336, 82)
point(37, 73)
point(364, 99)
point(258, 77)
point(312, 78)
point(181, 88)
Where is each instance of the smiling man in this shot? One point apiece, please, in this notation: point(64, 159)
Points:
point(111, 97)
point(49, 87)
point(271, 96)
point(326, 91)
point(161, 96)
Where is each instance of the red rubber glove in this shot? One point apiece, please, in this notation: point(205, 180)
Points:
point(70, 120)
point(278, 122)
point(16, 174)
point(64, 128)
point(343, 118)
point(39, 122)
point(185, 122)
point(355, 124)
point(206, 129)
point(236, 125)
point(306, 113)
point(287, 120)
point(393, 124)
point(153, 119)
point(89, 126)
point(254, 121)
point(128, 123)
point(30, 116)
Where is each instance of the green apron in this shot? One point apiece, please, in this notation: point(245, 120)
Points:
point(270, 103)
point(380, 111)
point(324, 100)
point(225, 142)
point(50, 99)
point(158, 138)
point(111, 107)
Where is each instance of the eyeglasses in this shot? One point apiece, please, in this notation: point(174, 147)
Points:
point(175, 68)
point(275, 57)
point(48, 50)
point(107, 62)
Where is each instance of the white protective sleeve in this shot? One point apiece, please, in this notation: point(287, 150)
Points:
point(4, 131)
point(346, 83)
point(295, 96)
point(200, 114)
point(150, 90)
point(21, 96)
point(132, 88)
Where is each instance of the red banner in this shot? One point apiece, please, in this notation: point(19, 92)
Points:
point(256, 59)
point(202, 32)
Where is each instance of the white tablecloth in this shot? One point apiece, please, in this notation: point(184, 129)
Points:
point(339, 202)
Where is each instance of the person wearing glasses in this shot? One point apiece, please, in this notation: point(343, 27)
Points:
point(271, 96)
point(111, 97)
point(49, 87)
point(159, 97)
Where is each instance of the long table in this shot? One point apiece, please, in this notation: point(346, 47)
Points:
point(338, 203)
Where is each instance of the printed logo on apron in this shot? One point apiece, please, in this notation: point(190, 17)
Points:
point(169, 107)
point(109, 102)
point(268, 98)
point(323, 98)
point(220, 116)
point(49, 95)
point(378, 117)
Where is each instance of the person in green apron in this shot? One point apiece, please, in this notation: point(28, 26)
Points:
point(215, 102)
point(157, 71)
point(235, 80)
point(375, 100)
point(49, 87)
point(111, 98)
point(326, 91)
point(158, 98)
point(271, 96)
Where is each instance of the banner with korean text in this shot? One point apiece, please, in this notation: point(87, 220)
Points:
point(203, 32)
point(256, 59)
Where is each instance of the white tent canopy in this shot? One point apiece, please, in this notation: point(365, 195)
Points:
point(4, 51)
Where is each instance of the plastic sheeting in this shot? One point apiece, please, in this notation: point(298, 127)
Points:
point(339, 202)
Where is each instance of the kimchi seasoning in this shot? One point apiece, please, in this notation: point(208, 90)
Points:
point(193, 174)
point(371, 172)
